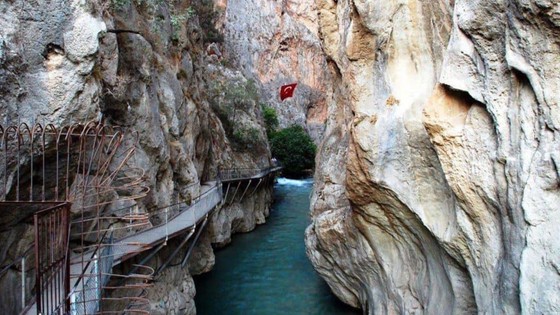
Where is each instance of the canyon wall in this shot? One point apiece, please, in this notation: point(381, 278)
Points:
point(446, 123)
point(144, 65)
point(277, 43)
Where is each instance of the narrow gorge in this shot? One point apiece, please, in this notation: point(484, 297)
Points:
point(436, 187)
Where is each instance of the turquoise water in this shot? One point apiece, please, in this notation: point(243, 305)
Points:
point(266, 272)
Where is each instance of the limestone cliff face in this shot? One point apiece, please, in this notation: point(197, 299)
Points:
point(446, 122)
point(143, 65)
point(277, 43)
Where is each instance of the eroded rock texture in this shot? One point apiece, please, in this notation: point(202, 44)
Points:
point(142, 64)
point(447, 124)
point(277, 43)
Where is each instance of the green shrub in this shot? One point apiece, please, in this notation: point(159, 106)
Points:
point(294, 148)
point(119, 4)
point(270, 120)
point(245, 137)
point(176, 23)
point(232, 101)
point(229, 98)
point(151, 4)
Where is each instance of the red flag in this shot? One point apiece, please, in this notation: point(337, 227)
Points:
point(287, 91)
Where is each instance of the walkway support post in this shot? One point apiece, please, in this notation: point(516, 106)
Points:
point(235, 193)
point(256, 187)
point(227, 193)
point(246, 188)
point(188, 253)
point(162, 267)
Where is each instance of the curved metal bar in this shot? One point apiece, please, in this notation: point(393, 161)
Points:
point(68, 138)
point(37, 128)
point(4, 141)
point(111, 150)
point(19, 141)
point(54, 132)
point(61, 134)
point(91, 127)
point(22, 130)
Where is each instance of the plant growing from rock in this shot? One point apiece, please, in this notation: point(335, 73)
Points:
point(270, 120)
point(233, 101)
point(246, 137)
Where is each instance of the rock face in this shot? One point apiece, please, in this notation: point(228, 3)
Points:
point(145, 65)
point(47, 54)
point(278, 44)
point(446, 123)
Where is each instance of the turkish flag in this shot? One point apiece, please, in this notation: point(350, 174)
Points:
point(287, 91)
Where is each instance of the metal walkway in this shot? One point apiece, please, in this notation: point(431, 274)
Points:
point(189, 215)
point(186, 218)
point(242, 174)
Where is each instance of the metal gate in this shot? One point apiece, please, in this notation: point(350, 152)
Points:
point(52, 262)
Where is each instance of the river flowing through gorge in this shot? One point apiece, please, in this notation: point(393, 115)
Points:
point(267, 271)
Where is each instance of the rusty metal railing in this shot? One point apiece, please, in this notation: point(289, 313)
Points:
point(44, 163)
point(52, 283)
point(85, 166)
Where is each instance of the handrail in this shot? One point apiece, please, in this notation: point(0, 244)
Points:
point(197, 200)
point(242, 173)
point(231, 174)
point(183, 207)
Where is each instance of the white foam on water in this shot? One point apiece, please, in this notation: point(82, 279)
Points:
point(294, 182)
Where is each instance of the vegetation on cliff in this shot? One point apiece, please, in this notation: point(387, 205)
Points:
point(270, 120)
point(295, 150)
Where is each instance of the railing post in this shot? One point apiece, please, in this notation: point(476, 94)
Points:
point(23, 283)
point(38, 289)
point(51, 236)
point(66, 279)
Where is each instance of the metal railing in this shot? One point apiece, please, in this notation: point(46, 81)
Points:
point(88, 165)
point(52, 268)
point(244, 173)
point(86, 295)
point(79, 164)
point(186, 217)
point(73, 162)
